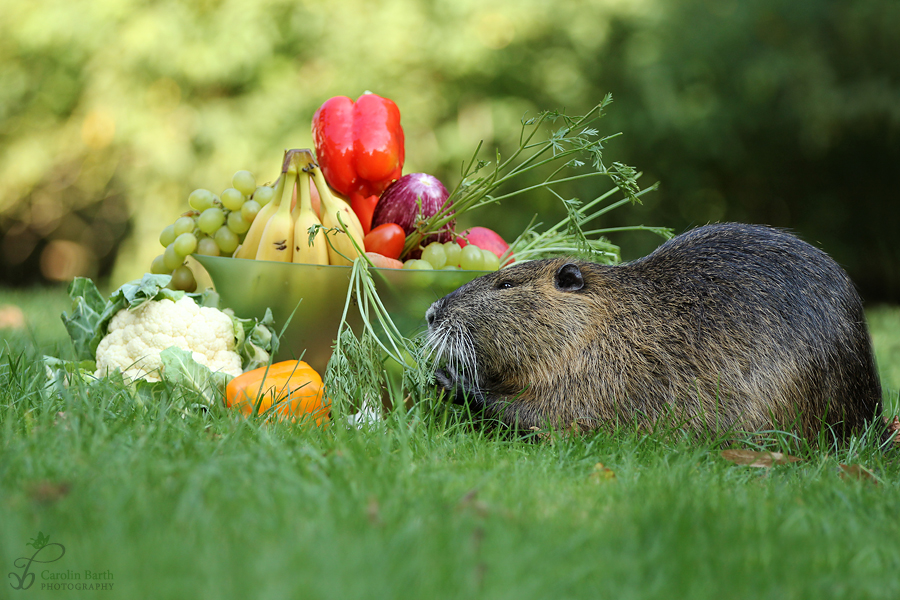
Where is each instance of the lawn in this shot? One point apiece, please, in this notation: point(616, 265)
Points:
point(158, 502)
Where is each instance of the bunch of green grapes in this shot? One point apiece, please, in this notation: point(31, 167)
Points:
point(451, 256)
point(214, 226)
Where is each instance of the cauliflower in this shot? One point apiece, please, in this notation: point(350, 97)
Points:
point(136, 337)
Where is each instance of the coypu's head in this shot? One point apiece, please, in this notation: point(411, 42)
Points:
point(504, 332)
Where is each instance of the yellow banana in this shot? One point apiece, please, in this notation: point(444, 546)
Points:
point(304, 218)
point(341, 250)
point(250, 245)
point(277, 241)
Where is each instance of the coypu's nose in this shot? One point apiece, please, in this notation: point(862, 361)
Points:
point(431, 313)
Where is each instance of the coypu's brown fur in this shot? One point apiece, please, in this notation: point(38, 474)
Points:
point(728, 325)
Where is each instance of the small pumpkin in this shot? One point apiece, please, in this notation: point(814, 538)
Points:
point(292, 386)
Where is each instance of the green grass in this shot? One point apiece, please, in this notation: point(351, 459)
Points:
point(192, 505)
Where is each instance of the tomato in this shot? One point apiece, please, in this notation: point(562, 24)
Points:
point(386, 239)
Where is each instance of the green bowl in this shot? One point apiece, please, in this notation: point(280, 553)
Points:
point(318, 293)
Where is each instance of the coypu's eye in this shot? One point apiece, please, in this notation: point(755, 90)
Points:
point(504, 284)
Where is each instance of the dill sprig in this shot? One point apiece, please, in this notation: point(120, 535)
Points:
point(572, 143)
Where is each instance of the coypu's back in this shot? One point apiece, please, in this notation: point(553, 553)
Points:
point(726, 326)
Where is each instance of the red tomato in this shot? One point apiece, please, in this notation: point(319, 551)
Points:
point(387, 239)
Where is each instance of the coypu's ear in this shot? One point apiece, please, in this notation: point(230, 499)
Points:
point(568, 278)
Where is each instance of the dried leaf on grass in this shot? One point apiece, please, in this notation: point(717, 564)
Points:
point(752, 458)
point(471, 502)
point(602, 473)
point(893, 429)
point(857, 472)
point(373, 511)
point(48, 492)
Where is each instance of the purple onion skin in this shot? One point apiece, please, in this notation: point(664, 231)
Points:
point(399, 204)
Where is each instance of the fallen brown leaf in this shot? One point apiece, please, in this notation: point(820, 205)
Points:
point(373, 511)
point(542, 435)
point(471, 502)
point(602, 473)
point(752, 458)
point(857, 472)
point(46, 492)
point(893, 427)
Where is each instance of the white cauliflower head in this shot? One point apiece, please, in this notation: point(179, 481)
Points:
point(136, 337)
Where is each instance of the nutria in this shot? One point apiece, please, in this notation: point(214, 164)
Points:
point(727, 326)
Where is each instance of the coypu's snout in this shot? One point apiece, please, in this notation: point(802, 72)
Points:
point(431, 313)
point(436, 311)
point(452, 348)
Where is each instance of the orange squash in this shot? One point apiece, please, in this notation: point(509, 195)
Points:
point(292, 386)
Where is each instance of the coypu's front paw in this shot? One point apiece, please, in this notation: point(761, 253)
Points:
point(446, 380)
point(460, 389)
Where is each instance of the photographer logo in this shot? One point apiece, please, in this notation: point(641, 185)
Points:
point(29, 569)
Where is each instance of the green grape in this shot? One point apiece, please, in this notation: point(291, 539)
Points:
point(158, 266)
point(227, 240)
point(171, 258)
point(417, 264)
point(208, 246)
point(435, 254)
point(167, 236)
point(453, 250)
point(244, 181)
point(210, 220)
point(471, 258)
point(491, 260)
point(264, 194)
point(183, 225)
point(249, 210)
point(201, 199)
point(183, 279)
point(236, 223)
point(185, 244)
point(450, 268)
point(232, 199)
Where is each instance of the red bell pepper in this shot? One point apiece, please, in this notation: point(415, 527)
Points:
point(360, 149)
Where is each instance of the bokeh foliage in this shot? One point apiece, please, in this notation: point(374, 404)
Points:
point(112, 111)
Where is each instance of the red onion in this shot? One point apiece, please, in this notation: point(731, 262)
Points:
point(399, 204)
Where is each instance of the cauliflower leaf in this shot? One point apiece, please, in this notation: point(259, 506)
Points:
point(185, 362)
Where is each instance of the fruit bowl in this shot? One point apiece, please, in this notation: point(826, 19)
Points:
point(318, 293)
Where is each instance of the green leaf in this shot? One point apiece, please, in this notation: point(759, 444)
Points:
point(255, 340)
point(149, 287)
point(88, 306)
point(150, 393)
point(180, 368)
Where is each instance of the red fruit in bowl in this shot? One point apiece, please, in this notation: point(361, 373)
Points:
point(486, 239)
point(387, 239)
point(410, 199)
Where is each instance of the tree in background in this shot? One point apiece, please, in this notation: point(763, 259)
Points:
point(111, 112)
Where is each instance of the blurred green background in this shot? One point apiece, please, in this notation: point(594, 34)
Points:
point(778, 112)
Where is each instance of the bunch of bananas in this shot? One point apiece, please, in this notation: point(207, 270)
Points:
point(279, 233)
